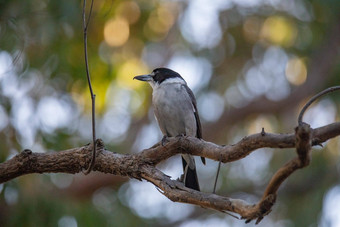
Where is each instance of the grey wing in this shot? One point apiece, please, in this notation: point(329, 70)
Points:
point(198, 121)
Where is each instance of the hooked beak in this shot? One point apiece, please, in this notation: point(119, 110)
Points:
point(143, 78)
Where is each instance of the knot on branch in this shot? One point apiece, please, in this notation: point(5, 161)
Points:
point(26, 152)
point(25, 160)
point(267, 203)
point(100, 144)
point(263, 208)
point(24, 156)
point(303, 135)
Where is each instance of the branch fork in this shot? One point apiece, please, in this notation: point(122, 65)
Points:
point(142, 166)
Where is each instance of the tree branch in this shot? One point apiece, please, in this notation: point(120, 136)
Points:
point(143, 165)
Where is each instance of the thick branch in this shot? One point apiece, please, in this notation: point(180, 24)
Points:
point(142, 165)
point(236, 151)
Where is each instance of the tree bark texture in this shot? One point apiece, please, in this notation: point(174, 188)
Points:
point(142, 166)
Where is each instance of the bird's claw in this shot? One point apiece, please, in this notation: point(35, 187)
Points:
point(164, 140)
point(180, 136)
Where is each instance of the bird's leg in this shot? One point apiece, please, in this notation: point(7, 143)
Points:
point(164, 140)
point(181, 178)
point(185, 174)
point(180, 136)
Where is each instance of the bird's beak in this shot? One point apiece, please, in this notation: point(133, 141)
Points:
point(143, 77)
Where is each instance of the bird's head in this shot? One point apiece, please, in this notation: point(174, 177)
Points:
point(161, 76)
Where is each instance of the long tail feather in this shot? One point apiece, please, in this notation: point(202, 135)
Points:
point(190, 176)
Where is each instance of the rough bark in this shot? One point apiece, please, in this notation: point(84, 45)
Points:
point(143, 165)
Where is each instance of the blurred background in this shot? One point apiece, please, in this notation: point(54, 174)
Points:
point(250, 63)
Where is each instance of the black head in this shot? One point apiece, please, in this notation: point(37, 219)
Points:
point(161, 74)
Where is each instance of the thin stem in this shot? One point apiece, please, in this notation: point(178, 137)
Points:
point(217, 173)
point(93, 96)
point(315, 97)
point(90, 14)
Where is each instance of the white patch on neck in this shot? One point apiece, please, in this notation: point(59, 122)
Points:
point(174, 80)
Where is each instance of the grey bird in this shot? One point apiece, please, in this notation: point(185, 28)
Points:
point(176, 112)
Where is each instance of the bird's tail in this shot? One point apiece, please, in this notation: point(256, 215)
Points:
point(190, 174)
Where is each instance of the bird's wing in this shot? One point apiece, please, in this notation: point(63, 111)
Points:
point(198, 121)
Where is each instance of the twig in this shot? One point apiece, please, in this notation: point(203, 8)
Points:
point(217, 173)
point(109, 9)
point(214, 190)
point(315, 97)
point(93, 96)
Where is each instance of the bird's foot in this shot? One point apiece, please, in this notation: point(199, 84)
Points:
point(180, 135)
point(164, 140)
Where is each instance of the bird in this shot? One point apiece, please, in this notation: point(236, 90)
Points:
point(175, 109)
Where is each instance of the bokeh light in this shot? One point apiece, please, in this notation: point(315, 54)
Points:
point(208, 102)
point(321, 113)
point(129, 10)
point(330, 215)
point(11, 195)
point(296, 71)
point(279, 30)
point(67, 221)
point(143, 198)
point(116, 31)
point(204, 30)
point(160, 21)
point(54, 113)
